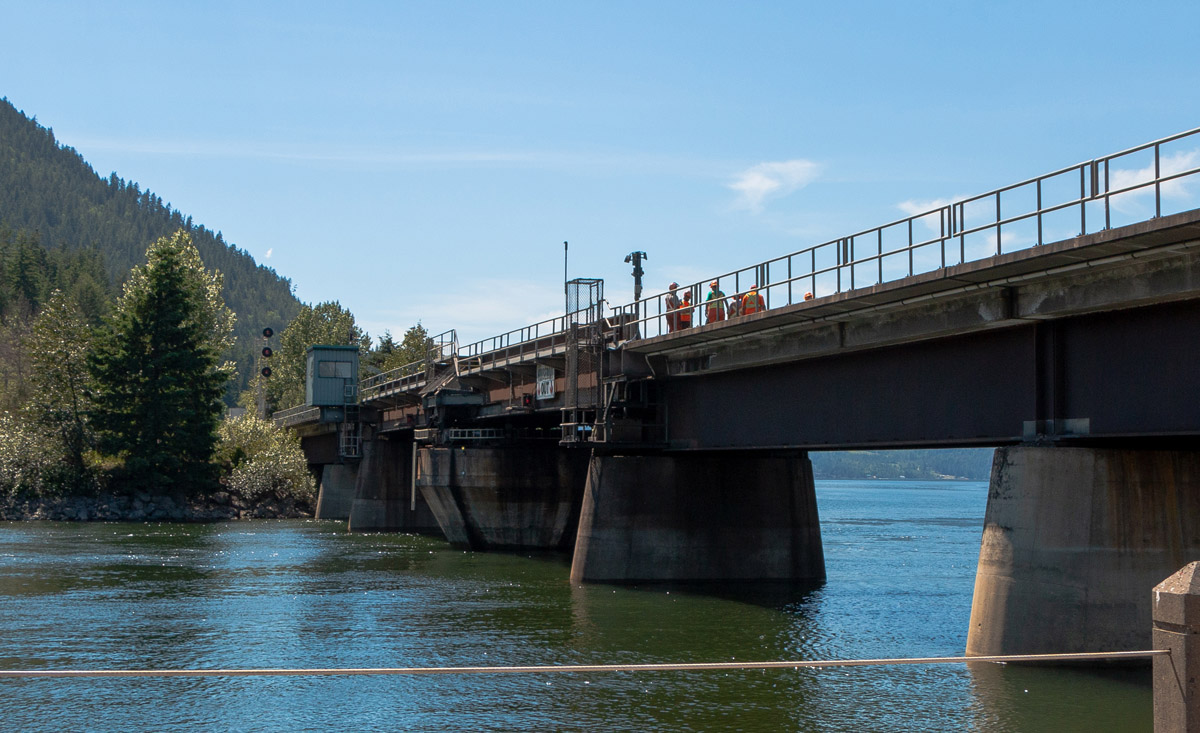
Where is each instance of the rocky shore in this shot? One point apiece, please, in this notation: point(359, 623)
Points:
point(143, 507)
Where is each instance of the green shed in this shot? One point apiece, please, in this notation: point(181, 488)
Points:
point(332, 376)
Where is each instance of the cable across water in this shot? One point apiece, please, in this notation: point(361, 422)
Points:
point(578, 668)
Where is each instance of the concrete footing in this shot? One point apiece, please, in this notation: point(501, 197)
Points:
point(1176, 603)
point(699, 517)
point(336, 491)
point(1074, 540)
point(520, 497)
point(383, 494)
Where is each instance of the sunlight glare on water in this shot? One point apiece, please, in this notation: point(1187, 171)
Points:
point(901, 563)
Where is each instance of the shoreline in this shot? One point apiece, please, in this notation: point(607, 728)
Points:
point(143, 507)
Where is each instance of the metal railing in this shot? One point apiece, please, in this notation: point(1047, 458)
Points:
point(400, 379)
point(1138, 184)
point(1134, 185)
point(542, 338)
point(297, 415)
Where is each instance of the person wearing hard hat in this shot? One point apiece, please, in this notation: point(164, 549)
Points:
point(714, 304)
point(752, 302)
point(671, 303)
point(685, 315)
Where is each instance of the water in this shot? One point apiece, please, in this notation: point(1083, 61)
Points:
point(901, 562)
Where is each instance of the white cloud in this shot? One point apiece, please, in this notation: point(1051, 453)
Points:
point(927, 210)
point(375, 156)
point(756, 185)
point(267, 256)
point(913, 207)
point(1128, 203)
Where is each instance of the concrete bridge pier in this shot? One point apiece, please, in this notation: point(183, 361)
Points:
point(1074, 540)
point(516, 497)
point(383, 490)
point(702, 516)
point(335, 490)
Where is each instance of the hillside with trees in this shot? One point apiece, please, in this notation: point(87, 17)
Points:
point(123, 420)
point(55, 207)
point(964, 463)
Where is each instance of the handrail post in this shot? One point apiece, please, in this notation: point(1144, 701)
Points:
point(1176, 627)
point(1157, 182)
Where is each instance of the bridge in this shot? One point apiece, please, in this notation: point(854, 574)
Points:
point(1055, 319)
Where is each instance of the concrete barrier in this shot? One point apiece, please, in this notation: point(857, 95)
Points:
point(1177, 629)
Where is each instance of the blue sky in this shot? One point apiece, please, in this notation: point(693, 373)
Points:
point(425, 161)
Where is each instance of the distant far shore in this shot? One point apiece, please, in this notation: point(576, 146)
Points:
point(936, 477)
point(143, 507)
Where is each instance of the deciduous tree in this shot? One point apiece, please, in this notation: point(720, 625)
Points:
point(58, 402)
point(325, 323)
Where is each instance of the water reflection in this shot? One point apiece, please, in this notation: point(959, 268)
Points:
point(297, 593)
point(1037, 699)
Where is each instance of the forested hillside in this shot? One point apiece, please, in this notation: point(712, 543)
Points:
point(968, 463)
point(49, 193)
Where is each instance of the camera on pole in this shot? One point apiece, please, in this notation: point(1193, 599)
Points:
point(636, 258)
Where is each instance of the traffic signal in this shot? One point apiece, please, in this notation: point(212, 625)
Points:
point(266, 351)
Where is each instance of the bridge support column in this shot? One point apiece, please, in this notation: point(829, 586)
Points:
point(383, 500)
point(336, 491)
point(1074, 540)
point(725, 516)
point(508, 498)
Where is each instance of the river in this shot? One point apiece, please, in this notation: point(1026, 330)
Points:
point(900, 556)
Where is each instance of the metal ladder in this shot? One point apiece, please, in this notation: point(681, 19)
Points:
point(350, 431)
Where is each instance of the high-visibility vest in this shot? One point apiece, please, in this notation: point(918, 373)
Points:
point(685, 315)
point(715, 306)
point(752, 302)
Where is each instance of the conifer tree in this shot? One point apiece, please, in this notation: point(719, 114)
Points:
point(156, 374)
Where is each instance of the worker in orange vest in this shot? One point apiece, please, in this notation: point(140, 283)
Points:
point(752, 302)
point(685, 315)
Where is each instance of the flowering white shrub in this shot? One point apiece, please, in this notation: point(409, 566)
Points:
point(262, 460)
point(28, 460)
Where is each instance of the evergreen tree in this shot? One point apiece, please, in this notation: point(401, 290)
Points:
point(412, 349)
point(380, 353)
point(54, 198)
point(157, 380)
